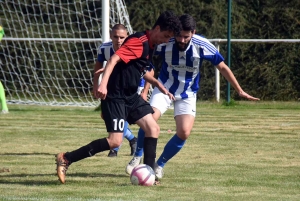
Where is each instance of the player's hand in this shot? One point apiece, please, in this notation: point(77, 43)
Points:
point(99, 72)
point(171, 96)
point(101, 92)
point(245, 95)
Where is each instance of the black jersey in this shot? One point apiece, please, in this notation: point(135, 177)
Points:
point(126, 75)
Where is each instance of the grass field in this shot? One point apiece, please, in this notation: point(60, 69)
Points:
point(249, 151)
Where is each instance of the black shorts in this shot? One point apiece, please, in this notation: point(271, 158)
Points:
point(116, 111)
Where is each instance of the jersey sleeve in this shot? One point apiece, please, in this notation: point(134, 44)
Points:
point(210, 53)
point(100, 54)
point(130, 50)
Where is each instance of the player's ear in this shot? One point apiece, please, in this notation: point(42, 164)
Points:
point(157, 28)
point(193, 32)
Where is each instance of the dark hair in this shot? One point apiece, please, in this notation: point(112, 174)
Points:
point(118, 27)
point(187, 22)
point(168, 21)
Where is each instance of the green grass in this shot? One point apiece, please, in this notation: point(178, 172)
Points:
point(242, 151)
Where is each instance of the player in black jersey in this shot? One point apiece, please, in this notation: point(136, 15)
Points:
point(119, 100)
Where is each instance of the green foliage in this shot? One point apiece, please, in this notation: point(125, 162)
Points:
point(269, 71)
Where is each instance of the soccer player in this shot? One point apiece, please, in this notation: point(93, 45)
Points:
point(119, 100)
point(4, 108)
point(182, 58)
point(105, 51)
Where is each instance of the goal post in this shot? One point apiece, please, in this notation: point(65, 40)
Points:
point(50, 48)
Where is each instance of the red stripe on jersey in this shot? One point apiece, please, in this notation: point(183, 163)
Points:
point(143, 38)
point(130, 50)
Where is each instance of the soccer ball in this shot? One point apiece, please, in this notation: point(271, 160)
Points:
point(142, 175)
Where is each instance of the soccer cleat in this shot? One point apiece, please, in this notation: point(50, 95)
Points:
point(133, 144)
point(112, 153)
point(159, 171)
point(135, 161)
point(4, 112)
point(61, 167)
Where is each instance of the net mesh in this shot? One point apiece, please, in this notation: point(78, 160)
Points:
point(50, 48)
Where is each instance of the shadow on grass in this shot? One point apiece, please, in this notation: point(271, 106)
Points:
point(26, 154)
point(31, 179)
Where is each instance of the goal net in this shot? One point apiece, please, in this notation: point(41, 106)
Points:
point(50, 47)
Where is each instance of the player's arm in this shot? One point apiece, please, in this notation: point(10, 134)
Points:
point(149, 78)
point(111, 63)
point(131, 49)
point(98, 70)
point(227, 73)
point(145, 91)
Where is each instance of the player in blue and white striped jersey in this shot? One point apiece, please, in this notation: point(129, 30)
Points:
point(105, 51)
point(182, 59)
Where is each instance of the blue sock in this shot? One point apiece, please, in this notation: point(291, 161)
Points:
point(128, 135)
point(171, 149)
point(124, 135)
point(140, 143)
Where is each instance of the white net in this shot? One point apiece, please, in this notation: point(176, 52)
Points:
point(50, 47)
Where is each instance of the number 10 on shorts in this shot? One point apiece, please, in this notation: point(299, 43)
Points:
point(119, 124)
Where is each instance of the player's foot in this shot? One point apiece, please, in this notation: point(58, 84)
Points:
point(61, 166)
point(133, 144)
point(112, 153)
point(4, 112)
point(135, 161)
point(159, 171)
point(157, 183)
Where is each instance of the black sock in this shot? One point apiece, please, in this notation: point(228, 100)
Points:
point(150, 144)
point(87, 150)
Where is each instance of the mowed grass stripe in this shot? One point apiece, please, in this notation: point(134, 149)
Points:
point(248, 151)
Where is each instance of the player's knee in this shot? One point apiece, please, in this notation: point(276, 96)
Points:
point(114, 143)
point(153, 131)
point(183, 134)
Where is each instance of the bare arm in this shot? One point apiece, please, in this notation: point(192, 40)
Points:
point(145, 91)
point(227, 73)
point(98, 70)
point(149, 78)
point(102, 89)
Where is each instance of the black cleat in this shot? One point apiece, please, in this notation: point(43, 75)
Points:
point(112, 153)
point(133, 144)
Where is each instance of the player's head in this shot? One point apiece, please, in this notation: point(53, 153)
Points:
point(118, 34)
point(188, 30)
point(166, 26)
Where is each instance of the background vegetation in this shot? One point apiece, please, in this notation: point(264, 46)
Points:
point(267, 70)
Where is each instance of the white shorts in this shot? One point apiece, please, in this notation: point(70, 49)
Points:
point(183, 106)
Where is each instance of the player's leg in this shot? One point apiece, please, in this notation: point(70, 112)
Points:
point(114, 152)
point(151, 128)
point(113, 111)
point(141, 114)
point(127, 134)
point(160, 104)
point(131, 139)
point(184, 111)
point(3, 100)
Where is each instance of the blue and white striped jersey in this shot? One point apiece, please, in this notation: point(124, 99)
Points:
point(105, 51)
point(180, 72)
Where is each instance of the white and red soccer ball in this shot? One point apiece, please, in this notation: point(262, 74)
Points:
point(142, 175)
